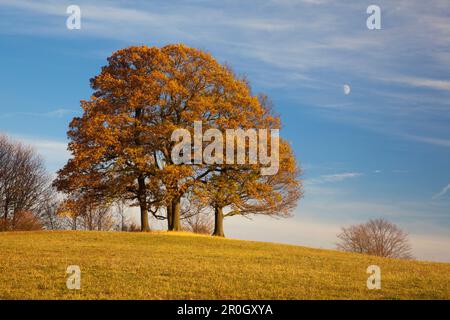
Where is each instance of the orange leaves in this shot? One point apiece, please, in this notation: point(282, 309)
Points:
point(141, 96)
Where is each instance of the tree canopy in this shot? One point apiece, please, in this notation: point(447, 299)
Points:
point(122, 145)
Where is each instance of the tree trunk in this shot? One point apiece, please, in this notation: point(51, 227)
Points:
point(89, 219)
point(218, 222)
point(169, 217)
point(176, 207)
point(144, 218)
point(5, 226)
point(143, 204)
point(14, 219)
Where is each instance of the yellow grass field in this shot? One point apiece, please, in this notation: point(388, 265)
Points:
point(184, 266)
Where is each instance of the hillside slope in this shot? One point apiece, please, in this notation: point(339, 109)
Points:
point(183, 266)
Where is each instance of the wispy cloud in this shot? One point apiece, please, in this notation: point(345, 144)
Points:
point(442, 193)
point(57, 113)
point(54, 152)
point(430, 140)
point(430, 83)
point(330, 178)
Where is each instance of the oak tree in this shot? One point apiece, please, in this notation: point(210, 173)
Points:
point(140, 97)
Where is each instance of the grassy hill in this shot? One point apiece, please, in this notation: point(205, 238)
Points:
point(185, 266)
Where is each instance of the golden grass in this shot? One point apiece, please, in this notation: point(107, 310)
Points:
point(183, 266)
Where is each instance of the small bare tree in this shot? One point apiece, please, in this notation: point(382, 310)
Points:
point(48, 214)
point(85, 213)
point(202, 223)
point(377, 237)
point(120, 214)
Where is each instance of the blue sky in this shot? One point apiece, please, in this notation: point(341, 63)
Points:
point(381, 151)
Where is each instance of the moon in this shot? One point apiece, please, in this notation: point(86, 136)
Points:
point(347, 89)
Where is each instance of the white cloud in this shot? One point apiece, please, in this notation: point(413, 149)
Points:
point(430, 140)
point(57, 113)
point(54, 152)
point(337, 177)
point(430, 83)
point(442, 192)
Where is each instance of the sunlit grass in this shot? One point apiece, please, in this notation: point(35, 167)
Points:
point(183, 266)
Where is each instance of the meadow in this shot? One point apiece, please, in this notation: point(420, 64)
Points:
point(165, 265)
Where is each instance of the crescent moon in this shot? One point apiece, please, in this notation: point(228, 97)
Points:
point(347, 89)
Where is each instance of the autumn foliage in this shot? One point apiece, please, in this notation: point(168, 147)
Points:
point(121, 146)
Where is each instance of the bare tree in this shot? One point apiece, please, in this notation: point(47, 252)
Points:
point(120, 214)
point(27, 221)
point(48, 214)
point(201, 222)
point(376, 237)
point(24, 185)
point(86, 213)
